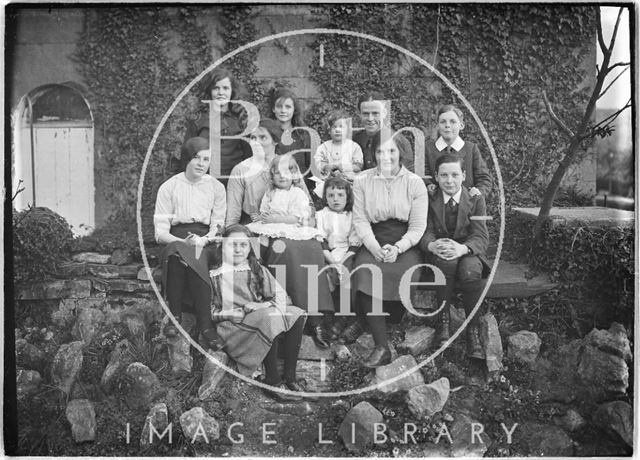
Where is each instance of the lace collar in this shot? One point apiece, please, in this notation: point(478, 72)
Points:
point(228, 268)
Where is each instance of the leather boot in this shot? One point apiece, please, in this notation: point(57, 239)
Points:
point(380, 356)
point(170, 329)
point(211, 339)
point(442, 334)
point(474, 345)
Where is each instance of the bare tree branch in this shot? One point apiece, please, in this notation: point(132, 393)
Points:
point(565, 129)
point(603, 47)
point(617, 64)
point(608, 121)
point(615, 30)
point(611, 84)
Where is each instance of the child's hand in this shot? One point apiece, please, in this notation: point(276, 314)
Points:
point(431, 188)
point(253, 306)
point(473, 191)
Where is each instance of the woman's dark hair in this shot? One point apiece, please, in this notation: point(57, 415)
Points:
point(273, 128)
point(403, 145)
point(256, 279)
point(449, 108)
point(280, 94)
point(237, 89)
point(339, 183)
point(191, 148)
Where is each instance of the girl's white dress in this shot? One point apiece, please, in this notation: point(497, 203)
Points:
point(291, 202)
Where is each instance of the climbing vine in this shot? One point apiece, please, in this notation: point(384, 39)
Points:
point(501, 57)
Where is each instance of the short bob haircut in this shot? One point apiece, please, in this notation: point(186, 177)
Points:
point(237, 90)
point(190, 149)
point(278, 95)
point(272, 127)
point(341, 184)
point(293, 167)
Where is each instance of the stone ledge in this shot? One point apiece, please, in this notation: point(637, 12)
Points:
point(593, 216)
point(57, 289)
point(122, 285)
point(511, 281)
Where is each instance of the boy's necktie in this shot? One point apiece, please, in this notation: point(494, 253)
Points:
point(451, 216)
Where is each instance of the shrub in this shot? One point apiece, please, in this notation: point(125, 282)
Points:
point(594, 267)
point(41, 240)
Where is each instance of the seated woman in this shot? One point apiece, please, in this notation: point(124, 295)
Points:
point(221, 87)
point(249, 183)
point(390, 216)
point(189, 212)
point(253, 311)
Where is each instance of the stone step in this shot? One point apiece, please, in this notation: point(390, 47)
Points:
point(592, 216)
point(511, 281)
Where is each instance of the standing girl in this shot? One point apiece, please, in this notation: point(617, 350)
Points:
point(190, 209)
point(286, 109)
point(221, 87)
point(245, 290)
point(450, 124)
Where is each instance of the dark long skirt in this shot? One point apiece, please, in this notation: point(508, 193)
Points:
point(387, 232)
point(293, 254)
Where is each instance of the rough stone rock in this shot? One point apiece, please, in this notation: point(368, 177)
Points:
point(465, 443)
point(524, 346)
point(605, 374)
point(66, 365)
point(72, 270)
point(91, 258)
point(111, 272)
point(417, 340)
point(212, 374)
point(544, 440)
point(121, 257)
point(87, 325)
point(614, 341)
point(310, 351)
point(298, 409)
point(198, 426)
point(428, 399)
point(397, 367)
point(27, 382)
point(129, 286)
point(365, 345)
point(316, 373)
point(357, 428)
point(58, 289)
point(82, 417)
point(491, 342)
point(570, 421)
point(456, 318)
point(156, 272)
point(180, 354)
point(158, 418)
point(423, 299)
point(28, 355)
point(341, 351)
point(144, 385)
point(119, 359)
point(617, 417)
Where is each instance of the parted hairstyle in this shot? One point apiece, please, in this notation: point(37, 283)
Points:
point(256, 278)
point(279, 95)
point(449, 158)
point(450, 108)
point(341, 184)
point(190, 149)
point(237, 89)
point(293, 167)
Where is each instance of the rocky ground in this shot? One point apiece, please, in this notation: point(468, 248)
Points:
point(95, 377)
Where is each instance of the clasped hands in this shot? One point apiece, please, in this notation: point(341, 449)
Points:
point(387, 253)
point(448, 249)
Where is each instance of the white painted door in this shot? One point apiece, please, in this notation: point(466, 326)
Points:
point(63, 162)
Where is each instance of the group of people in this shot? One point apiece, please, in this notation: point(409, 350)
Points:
point(245, 253)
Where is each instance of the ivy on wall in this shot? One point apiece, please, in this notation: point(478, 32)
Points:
point(135, 61)
point(501, 57)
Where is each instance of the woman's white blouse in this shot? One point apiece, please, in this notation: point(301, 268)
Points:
point(376, 199)
point(181, 201)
